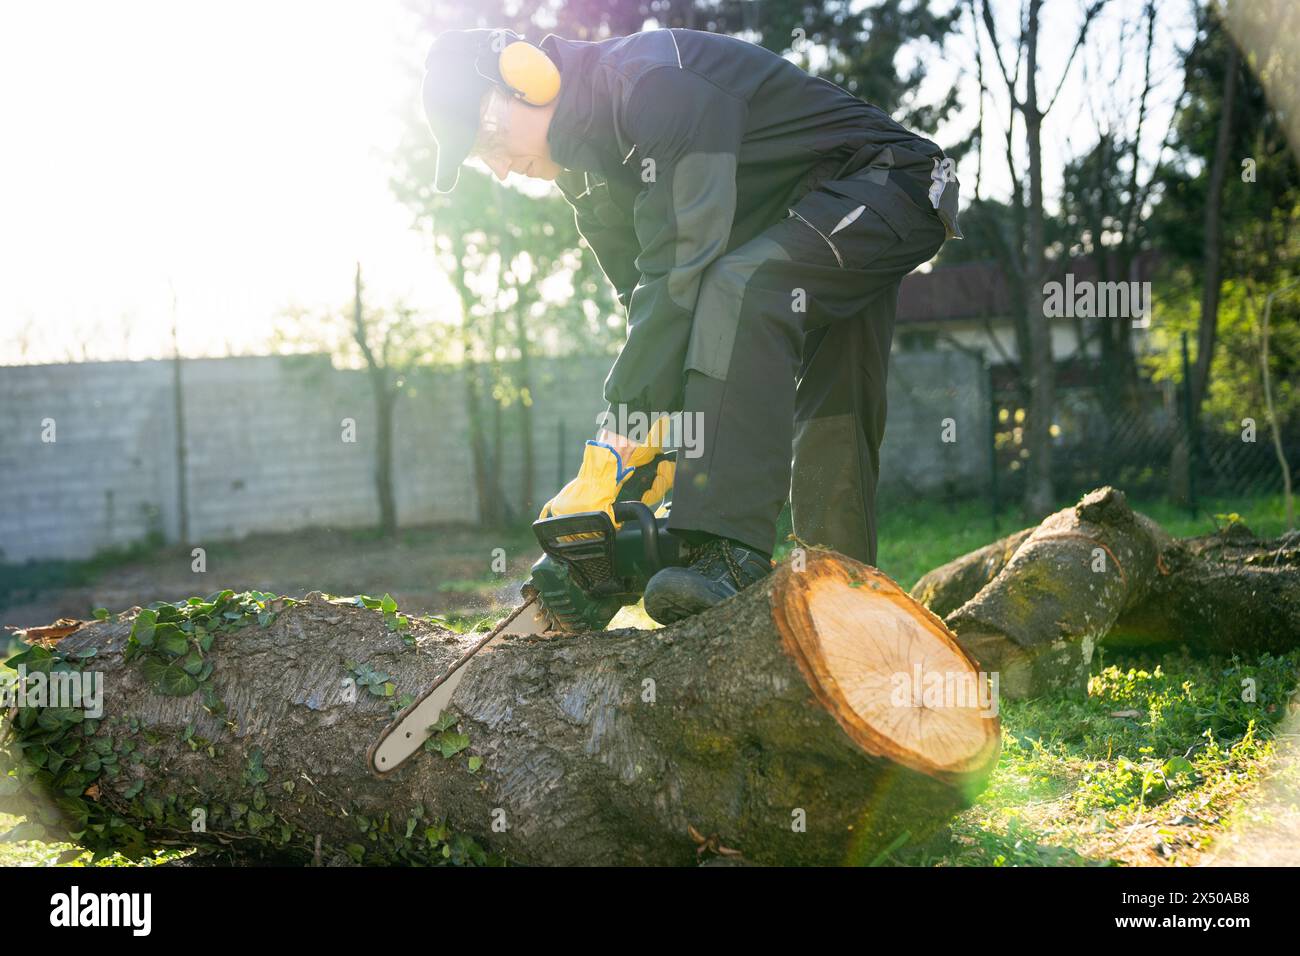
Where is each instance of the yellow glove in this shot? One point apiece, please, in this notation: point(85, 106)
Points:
point(605, 473)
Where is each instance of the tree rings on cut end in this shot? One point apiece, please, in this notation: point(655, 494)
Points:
point(887, 669)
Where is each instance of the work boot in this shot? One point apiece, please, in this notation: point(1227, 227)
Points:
point(719, 568)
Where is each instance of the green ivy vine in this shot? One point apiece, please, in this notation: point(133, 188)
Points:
point(57, 757)
point(171, 640)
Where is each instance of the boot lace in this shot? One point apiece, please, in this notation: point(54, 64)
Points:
point(717, 550)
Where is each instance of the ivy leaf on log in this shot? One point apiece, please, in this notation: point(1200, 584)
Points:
point(169, 680)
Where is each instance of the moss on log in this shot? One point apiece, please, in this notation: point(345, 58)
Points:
point(1229, 592)
point(1038, 621)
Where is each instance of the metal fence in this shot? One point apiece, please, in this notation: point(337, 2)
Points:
point(1148, 447)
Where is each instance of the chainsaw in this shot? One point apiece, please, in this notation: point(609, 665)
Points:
point(588, 570)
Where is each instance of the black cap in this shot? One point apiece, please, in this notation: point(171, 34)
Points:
point(460, 68)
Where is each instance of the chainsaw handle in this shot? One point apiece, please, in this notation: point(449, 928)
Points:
point(640, 513)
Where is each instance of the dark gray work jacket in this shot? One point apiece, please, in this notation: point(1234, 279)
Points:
point(681, 145)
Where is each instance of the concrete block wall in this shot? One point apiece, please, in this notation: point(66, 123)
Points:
point(99, 483)
point(925, 389)
point(265, 448)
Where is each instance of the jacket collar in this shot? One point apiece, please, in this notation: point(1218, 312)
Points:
point(583, 133)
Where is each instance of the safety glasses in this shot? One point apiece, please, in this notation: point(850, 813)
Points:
point(491, 128)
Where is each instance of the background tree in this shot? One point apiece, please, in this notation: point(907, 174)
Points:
point(1021, 91)
point(1270, 404)
point(525, 286)
point(1105, 201)
point(1227, 211)
point(391, 343)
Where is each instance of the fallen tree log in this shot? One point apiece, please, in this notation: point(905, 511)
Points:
point(790, 724)
point(1101, 572)
point(951, 585)
point(1038, 621)
point(1229, 592)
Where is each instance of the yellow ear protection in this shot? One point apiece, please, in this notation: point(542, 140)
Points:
point(527, 73)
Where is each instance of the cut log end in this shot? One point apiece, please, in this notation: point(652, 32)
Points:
point(887, 669)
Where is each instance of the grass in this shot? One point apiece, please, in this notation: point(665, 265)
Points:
point(918, 536)
point(1162, 763)
point(1155, 766)
point(18, 581)
point(1152, 767)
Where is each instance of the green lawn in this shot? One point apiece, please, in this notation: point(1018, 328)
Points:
point(915, 538)
point(1156, 765)
point(1161, 763)
point(1158, 762)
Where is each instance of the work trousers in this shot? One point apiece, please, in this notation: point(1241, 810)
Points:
point(787, 365)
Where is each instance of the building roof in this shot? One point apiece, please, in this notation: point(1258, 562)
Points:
point(977, 290)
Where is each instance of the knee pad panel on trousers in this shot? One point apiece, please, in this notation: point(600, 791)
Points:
point(718, 310)
point(831, 494)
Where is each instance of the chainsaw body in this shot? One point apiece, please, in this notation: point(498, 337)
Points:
point(590, 569)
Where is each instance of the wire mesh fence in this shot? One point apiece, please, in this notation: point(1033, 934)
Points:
point(957, 439)
point(1146, 446)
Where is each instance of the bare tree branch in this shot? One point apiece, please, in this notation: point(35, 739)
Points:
point(1088, 16)
point(992, 29)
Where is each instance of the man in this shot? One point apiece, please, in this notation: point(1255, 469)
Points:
point(756, 222)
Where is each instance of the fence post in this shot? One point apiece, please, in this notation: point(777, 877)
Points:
point(1189, 428)
point(178, 413)
point(993, 446)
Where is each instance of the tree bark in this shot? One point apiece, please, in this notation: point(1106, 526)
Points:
point(1034, 606)
point(1224, 593)
point(770, 725)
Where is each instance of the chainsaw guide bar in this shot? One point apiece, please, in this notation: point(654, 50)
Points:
point(589, 569)
point(408, 731)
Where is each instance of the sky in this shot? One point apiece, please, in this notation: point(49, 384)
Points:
point(233, 153)
point(225, 162)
